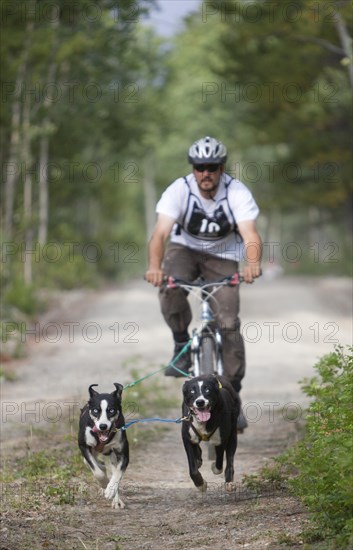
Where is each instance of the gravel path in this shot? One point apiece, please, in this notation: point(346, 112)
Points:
point(100, 336)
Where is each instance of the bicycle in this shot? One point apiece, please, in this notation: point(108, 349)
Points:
point(206, 340)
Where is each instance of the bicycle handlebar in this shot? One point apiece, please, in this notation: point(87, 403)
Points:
point(231, 280)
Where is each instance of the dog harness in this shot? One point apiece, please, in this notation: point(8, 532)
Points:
point(203, 437)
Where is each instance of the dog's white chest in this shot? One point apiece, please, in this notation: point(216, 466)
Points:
point(201, 431)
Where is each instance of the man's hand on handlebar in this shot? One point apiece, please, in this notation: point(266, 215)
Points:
point(155, 277)
point(251, 271)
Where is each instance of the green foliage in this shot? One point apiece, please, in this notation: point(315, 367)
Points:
point(270, 80)
point(191, 102)
point(23, 297)
point(77, 75)
point(324, 458)
point(295, 129)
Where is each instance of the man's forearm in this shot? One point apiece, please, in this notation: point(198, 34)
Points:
point(155, 253)
point(253, 249)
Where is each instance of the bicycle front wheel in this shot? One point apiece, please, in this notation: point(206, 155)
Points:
point(208, 356)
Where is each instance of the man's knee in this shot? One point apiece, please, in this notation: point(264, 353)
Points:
point(231, 330)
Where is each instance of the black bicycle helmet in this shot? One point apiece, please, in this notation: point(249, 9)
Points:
point(207, 150)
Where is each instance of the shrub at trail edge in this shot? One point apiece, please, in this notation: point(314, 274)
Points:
point(324, 458)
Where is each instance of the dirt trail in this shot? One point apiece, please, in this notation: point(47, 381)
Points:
point(98, 337)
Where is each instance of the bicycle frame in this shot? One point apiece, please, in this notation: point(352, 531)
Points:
point(204, 292)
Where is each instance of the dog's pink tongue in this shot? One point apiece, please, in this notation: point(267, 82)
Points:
point(203, 416)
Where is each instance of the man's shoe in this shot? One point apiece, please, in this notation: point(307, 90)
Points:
point(242, 423)
point(183, 362)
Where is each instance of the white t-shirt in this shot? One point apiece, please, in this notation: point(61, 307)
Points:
point(209, 225)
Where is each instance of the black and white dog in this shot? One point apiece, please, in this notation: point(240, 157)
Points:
point(211, 407)
point(102, 442)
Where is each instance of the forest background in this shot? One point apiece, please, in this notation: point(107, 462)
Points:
point(98, 112)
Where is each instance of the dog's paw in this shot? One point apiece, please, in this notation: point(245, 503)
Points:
point(111, 490)
point(215, 469)
point(230, 487)
point(203, 487)
point(118, 503)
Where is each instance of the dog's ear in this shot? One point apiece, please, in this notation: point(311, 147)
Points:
point(92, 392)
point(119, 389)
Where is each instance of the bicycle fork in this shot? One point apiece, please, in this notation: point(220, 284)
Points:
point(211, 332)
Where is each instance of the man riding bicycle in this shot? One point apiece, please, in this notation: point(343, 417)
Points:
point(209, 218)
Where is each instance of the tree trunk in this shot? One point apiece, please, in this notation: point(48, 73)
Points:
point(43, 190)
point(27, 193)
point(44, 146)
point(13, 165)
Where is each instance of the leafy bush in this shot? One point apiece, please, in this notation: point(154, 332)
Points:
point(22, 297)
point(324, 458)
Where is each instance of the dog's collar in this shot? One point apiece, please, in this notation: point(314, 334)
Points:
point(119, 422)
